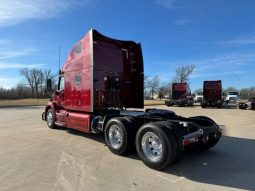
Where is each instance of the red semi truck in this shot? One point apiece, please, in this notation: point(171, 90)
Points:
point(181, 95)
point(103, 77)
point(212, 91)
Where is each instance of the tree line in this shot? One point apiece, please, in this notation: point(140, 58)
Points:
point(152, 85)
point(33, 85)
point(153, 89)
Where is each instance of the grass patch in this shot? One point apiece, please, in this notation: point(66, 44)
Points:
point(23, 102)
point(43, 102)
point(154, 102)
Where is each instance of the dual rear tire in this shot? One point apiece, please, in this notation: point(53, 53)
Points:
point(155, 143)
point(120, 135)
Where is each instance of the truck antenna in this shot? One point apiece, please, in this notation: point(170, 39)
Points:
point(59, 51)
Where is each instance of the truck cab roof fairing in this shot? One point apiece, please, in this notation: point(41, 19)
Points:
point(102, 56)
point(124, 60)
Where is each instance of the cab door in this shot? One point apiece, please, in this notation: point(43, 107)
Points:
point(60, 100)
point(61, 89)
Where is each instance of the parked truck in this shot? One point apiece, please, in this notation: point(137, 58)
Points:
point(181, 95)
point(232, 97)
point(212, 94)
point(101, 79)
point(198, 98)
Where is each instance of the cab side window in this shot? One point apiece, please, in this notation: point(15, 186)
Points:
point(77, 80)
point(78, 49)
point(61, 84)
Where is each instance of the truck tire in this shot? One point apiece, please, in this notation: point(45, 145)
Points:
point(119, 136)
point(133, 127)
point(181, 104)
point(201, 117)
point(179, 140)
point(191, 103)
point(168, 103)
point(220, 105)
point(156, 145)
point(51, 119)
point(203, 105)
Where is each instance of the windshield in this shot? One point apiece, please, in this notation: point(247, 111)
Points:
point(232, 93)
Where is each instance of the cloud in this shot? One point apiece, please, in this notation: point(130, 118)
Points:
point(218, 66)
point(232, 64)
point(247, 40)
point(13, 53)
point(11, 65)
point(207, 74)
point(239, 41)
point(167, 4)
point(182, 22)
point(13, 12)
point(8, 82)
point(10, 50)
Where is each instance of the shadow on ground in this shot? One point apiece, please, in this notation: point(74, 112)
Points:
point(95, 137)
point(231, 163)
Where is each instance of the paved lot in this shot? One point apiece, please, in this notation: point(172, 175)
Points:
point(33, 157)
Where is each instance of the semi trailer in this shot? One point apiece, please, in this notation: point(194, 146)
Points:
point(101, 79)
point(181, 95)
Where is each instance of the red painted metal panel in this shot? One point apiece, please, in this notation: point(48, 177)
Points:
point(180, 91)
point(79, 121)
point(212, 90)
point(180, 87)
point(121, 60)
point(92, 60)
point(78, 96)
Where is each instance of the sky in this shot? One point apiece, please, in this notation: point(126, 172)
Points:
point(217, 36)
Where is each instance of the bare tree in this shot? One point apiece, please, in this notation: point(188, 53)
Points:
point(183, 73)
point(38, 78)
point(145, 86)
point(162, 92)
point(252, 92)
point(169, 89)
point(153, 85)
point(229, 89)
point(198, 91)
point(29, 78)
point(244, 93)
point(47, 74)
point(34, 78)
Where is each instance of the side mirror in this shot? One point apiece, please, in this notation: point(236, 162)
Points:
point(49, 88)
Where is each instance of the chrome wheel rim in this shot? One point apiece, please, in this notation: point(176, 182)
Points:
point(116, 136)
point(152, 146)
point(49, 118)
